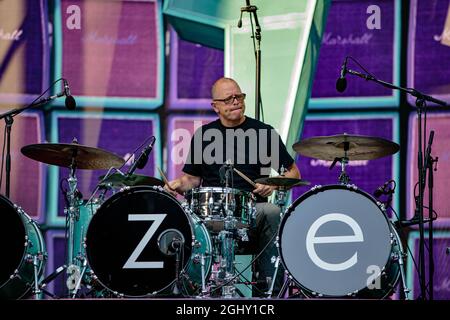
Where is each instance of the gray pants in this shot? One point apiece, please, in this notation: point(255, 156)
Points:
point(262, 242)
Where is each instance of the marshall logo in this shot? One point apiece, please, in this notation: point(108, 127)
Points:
point(10, 36)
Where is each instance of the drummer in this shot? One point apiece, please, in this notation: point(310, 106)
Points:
point(253, 148)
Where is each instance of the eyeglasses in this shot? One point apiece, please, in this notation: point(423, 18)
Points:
point(229, 100)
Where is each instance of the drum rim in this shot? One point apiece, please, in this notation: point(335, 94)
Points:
point(218, 190)
point(24, 219)
point(114, 198)
point(314, 190)
point(24, 249)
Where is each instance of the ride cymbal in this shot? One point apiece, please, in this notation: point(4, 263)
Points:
point(353, 147)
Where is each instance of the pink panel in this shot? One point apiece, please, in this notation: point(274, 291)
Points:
point(439, 122)
point(27, 176)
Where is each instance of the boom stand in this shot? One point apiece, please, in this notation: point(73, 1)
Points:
point(422, 170)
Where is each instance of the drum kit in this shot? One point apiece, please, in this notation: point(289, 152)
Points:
point(143, 242)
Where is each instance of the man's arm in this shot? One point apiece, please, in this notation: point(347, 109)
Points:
point(184, 183)
point(293, 172)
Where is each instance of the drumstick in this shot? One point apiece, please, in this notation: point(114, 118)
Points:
point(243, 176)
point(163, 176)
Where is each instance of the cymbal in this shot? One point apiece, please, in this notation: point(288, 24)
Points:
point(281, 181)
point(61, 154)
point(359, 147)
point(118, 180)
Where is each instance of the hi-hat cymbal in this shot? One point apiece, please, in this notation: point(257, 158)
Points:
point(358, 147)
point(281, 181)
point(118, 180)
point(62, 154)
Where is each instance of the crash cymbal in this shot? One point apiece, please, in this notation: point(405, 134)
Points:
point(118, 180)
point(358, 147)
point(281, 181)
point(62, 154)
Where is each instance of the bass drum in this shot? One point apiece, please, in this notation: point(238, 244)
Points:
point(336, 241)
point(132, 241)
point(20, 241)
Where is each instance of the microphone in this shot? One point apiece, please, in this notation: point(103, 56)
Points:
point(415, 220)
point(341, 83)
point(382, 190)
point(143, 158)
point(175, 244)
point(70, 101)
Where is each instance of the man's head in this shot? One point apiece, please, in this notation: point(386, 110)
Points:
point(228, 102)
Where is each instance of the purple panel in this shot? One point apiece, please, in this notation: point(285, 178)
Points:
point(126, 39)
point(179, 133)
point(429, 48)
point(346, 34)
point(194, 68)
point(440, 148)
point(24, 47)
point(56, 248)
point(441, 267)
point(367, 175)
point(118, 135)
point(27, 175)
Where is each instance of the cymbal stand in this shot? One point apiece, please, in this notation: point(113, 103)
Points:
point(343, 176)
point(226, 240)
point(281, 192)
point(73, 212)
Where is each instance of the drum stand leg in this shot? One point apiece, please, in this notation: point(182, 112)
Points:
point(176, 287)
point(78, 285)
point(399, 258)
point(202, 264)
point(37, 290)
point(277, 263)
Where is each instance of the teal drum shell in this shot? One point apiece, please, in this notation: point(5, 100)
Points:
point(22, 246)
point(202, 250)
point(85, 214)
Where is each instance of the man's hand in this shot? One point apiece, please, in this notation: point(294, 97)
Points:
point(264, 190)
point(172, 186)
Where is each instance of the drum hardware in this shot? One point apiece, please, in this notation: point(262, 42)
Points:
point(345, 148)
point(73, 156)
point(284, 184)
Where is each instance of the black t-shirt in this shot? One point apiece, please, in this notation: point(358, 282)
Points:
point(253, 148)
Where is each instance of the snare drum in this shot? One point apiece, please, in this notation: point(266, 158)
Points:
point(336, 241)
point(135, 238)
point(209, 204)
point(20, 241)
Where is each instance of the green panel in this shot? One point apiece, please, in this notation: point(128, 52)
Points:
point(204, 34)
point(307, 75)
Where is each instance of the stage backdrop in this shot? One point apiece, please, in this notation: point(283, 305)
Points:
point(440, 148)
point(358, 29)
point(441, 241)
point(28, 177)
point(24, 50)
point(129, 40)
point(429, 48)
